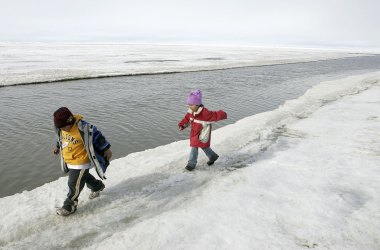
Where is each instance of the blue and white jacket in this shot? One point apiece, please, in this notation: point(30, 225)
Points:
point(95, 144)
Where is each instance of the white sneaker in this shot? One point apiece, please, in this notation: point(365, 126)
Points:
point(63, 212)
point(96, 193)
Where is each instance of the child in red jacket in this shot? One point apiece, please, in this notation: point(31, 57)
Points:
point(200, 119)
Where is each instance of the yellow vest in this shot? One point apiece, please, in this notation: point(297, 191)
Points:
point(73, 150)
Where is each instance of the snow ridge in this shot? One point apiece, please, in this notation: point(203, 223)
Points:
point(45, 63)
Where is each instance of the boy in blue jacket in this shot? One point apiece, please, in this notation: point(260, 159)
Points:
point(81, 147)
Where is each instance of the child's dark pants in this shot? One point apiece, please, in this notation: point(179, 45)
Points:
point(77, 179)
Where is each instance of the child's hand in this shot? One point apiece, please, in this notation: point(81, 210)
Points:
point(108, 154)
point(56, 151)
point(183, 126)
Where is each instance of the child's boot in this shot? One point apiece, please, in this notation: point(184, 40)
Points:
point(212, 159)
point(189, 167)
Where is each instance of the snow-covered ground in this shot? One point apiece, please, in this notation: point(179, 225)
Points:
point(23, 63)
point(305, 175)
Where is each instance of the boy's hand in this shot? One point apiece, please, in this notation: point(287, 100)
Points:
point(108, 154)
point(56, 151)
point(181, 128)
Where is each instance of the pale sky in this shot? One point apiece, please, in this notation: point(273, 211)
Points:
point(270, 22)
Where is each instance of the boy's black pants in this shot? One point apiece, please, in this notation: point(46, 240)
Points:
point(77, 179)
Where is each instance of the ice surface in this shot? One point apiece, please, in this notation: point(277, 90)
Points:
point(23, 63)
point(305, 175)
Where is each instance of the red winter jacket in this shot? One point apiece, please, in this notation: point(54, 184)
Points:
point(201, 120)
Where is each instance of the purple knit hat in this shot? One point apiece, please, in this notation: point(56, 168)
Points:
point(195, 97)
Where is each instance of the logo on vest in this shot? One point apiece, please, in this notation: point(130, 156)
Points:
point(68, 138)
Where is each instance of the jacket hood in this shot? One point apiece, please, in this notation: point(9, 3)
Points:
point(77, 118)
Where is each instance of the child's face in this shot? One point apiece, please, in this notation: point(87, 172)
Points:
point(193, 107)
point(67, 128)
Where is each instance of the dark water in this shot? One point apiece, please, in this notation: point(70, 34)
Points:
point(140, 112)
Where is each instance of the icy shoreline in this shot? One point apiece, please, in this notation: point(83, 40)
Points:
point(303, 175)
point(45, 63)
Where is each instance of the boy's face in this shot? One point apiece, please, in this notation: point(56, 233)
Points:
point(67, 128)
point(193, 107)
